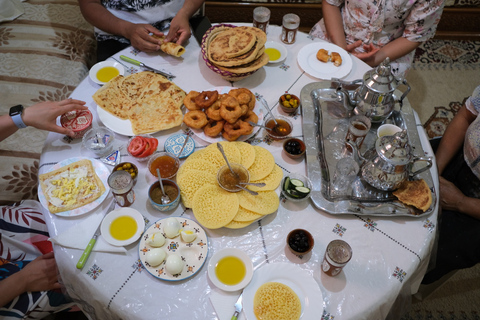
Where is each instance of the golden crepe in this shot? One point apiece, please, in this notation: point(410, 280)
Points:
point(415, 193)
point(71, 186)
point(276, 301)
point(170, 48)
point(150, 101)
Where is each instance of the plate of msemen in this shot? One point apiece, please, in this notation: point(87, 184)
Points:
point(102, 172)
point(173, 249)
point(174, 144)
point(257, 109)
point(116, 124)
point(122, 226)
point(105, 71)
point(307, 60)
point(296, 278)
point(276, 51)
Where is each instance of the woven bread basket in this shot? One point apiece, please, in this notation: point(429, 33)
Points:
point(207, 38)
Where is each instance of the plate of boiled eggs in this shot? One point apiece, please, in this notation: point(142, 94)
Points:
point(173, 248)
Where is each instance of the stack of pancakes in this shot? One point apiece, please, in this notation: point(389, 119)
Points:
point(235, 51)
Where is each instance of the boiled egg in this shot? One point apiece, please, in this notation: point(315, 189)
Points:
point(155, 257)
point(156, 240)
point(174, 264)
point(188, 235)
point(171, 227)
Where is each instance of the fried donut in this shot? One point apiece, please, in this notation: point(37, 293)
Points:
point(245, 109)
point(250, 116)
point(230, 110)
point(206, 98)
point(253, 100)
point(235, 130)
point(243, 95)
point(213, 128)
point(189, 101)
point(213, 112)
point(195, 119)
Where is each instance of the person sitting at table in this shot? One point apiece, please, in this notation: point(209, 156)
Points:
point(121, 23)
point(28, 272)
point(458, 160)
point(373, 30)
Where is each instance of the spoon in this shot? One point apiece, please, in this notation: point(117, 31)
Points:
point(184, 144)
point(259, 125)
point(219, 146)
point(268, 110)
point(165, 198)
point(259, 184)
point(253, 193)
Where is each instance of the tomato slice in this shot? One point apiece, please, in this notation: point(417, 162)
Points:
point(147, 150)
point(155, 144)
point(136, 146)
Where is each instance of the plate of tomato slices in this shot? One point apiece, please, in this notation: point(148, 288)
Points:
point(142, 146)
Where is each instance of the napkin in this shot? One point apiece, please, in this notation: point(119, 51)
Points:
point(224, 304)
point(10, 10)
point(78, 236)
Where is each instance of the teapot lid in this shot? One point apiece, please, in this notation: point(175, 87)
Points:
point(381, 79)
point(394, 149)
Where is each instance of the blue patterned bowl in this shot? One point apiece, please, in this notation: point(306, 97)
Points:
point(158, 205)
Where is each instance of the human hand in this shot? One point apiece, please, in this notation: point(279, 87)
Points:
point(141, 39)
point(44, 115)
point(450, 195)
point(352, 47)
point(179, 31)
point(41, 274)
point(368, 54)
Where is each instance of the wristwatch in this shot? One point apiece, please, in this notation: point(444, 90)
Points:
point(16, 114)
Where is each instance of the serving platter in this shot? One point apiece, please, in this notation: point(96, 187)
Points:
point(325, 121)
point(193, 254)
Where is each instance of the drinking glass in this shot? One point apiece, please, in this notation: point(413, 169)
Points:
point(290, 25)
point(261, 18)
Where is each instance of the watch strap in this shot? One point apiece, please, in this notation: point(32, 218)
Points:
point(17, 118)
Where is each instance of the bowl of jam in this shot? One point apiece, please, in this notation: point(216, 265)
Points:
point(166, 162)
point(289, 102)
point(230, 181)
point(294, 148)
point(300, 241)
point(279, 130)
point(172, 191)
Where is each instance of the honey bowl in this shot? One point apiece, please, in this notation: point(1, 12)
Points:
point(166, 162)
point(289, 102)
point(279, 131)
point(229, 181)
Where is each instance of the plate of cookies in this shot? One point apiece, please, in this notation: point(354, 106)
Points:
point(222, 114)
point(324, 60)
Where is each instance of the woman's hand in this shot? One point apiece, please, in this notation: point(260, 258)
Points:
point(141, 39)
point(41, 274)
point(450, 195)
point(368, 54)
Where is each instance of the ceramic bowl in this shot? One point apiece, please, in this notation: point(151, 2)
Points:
point(289, 102)
point(300, 242)
point(294, 148)
point(146, 157)
point(127, 166)
point(102, 72)
point(216, 264)
point(170, 160)
point(164, 207)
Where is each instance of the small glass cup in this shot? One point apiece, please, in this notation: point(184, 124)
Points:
point(228, 181)
point(166, 162)
point(290, 24)
point(99, 141)
point(121, 183)
point(358, 127)
point(337, 255)
point(345, 172)
point(261, 18)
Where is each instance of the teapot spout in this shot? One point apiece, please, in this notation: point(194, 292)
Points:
point(357, 156)
point(348, 102)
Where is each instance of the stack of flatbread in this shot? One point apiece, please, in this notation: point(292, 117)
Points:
point(150, 101)
point(237, 49)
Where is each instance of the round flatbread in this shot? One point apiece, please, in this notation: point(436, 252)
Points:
point(276, 301)
point(263, 165)
point(272, 181)
point(244, 215)
point(190, 181)
point(198, 164)
point(264, 203)
point(247, 153)
point(238, 224)
point(214, 207)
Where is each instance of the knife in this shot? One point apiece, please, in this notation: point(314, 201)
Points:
point(143, 65)
point(88, 249)
point(238, 308)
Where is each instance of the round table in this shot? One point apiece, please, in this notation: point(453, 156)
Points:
point(390, 255)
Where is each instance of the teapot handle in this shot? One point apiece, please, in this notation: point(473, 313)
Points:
point(428, 166)
point(404, 81)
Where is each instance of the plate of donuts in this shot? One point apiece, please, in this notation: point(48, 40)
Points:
point(222, 114)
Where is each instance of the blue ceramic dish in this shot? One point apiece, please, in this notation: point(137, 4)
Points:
point(164, 207)
point(174, 143)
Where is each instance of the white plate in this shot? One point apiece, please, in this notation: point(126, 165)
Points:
point(280, 47)
point(223, 90)
point(293, 276)
point(226, 253)
point(102, 173)
point(193, 254)
point(100, 65)
point(120, 212)
point(307, 59)
point(117, 125)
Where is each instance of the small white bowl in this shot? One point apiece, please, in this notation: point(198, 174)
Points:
point(110, 217)
point(387, 130)
point(94, 70)
point(278, 46)
point(212, 264)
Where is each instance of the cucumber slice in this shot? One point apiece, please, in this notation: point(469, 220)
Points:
point(294, 194)
point(302, 190)
point(297, 183)
point(286, 184)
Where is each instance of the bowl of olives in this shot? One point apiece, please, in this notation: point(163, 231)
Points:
point(300, 241)
point(129, 167)
point(294, 148)
point(289, 102)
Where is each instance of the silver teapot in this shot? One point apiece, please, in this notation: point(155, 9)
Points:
point(391, 162)
point(374, 98)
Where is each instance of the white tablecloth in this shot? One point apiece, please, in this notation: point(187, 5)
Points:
point(390, 255)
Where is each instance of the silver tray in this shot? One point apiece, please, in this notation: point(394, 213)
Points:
point(324, 129)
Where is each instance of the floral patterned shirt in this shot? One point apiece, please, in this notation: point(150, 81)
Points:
point(471, 146)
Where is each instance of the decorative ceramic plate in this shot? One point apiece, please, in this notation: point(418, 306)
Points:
point(93, 73)
point(307, 59)
point(193, 254)
point(293, 276)
point(106, 226)
point(278, 46)
point(258, 110)
point(174, 144)
point(102, 173)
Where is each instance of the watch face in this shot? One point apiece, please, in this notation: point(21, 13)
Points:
point(18, 109)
